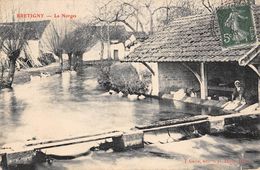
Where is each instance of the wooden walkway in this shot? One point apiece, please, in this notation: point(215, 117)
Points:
point(25, 153)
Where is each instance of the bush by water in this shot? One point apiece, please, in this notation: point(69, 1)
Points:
point(121, 77)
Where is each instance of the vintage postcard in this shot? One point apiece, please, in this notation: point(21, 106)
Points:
point(129, 84)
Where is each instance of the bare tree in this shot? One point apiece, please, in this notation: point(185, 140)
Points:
point(137, 12)
point(53, 41)
point(67, 45)
point(168, 11)
point(116, 11)
point(207, 4)
point(210, 4)
point(14, 38)
point(77, 42)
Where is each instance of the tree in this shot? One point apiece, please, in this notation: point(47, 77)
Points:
point(114, 12)
point(210, 4)
point(14, 37)
point(53, 41)
point(77, 42)
point(67, 45)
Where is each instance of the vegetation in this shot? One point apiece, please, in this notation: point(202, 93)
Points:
point(74, 38)
point(13, 40)
point(121, 77)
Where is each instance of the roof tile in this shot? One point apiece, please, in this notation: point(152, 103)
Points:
point(193, 39)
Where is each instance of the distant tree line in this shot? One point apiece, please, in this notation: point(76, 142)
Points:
point(74, 38)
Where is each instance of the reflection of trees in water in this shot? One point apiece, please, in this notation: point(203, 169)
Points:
point(11, 109)
point(77, 89)
point(69, 86)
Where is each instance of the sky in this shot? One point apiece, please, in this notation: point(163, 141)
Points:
point(80, 8)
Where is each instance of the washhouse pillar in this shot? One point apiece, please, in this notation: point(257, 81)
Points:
point(155, 79)
point(204, 81)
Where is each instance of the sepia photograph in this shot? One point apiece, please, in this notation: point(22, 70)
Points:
point(129, 84)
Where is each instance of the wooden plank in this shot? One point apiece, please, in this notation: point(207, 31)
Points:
point(176, 125)
point(218, 88)
point(76, 141)
point(173, 122)
point(38, 145)
point(33, 143)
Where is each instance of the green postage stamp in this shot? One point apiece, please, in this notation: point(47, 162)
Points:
point(236, 25)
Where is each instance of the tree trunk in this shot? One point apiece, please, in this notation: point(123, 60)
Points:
point(79, 61)
point(2, 73)
point(102, 50)
point(108, 42)
point(61, 62)
point(10, 77)
point(167, 15)
point(2, 76)
point(70, 61)
point(58, 53)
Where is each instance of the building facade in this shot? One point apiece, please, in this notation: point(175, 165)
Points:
point(188, 54)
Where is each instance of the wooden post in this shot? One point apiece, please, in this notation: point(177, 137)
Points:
point(204, 81)
point(258, 68)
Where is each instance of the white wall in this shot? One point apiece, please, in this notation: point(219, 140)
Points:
point(32, 49)
point(95, 52)
point(121, 50)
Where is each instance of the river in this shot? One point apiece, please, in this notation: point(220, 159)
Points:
point(73, 104)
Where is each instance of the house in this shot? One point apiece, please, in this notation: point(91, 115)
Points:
point(188, 53)
point(115, 48)
point(34, 31)
point(121, 43)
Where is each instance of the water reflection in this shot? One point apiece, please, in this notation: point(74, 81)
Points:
point(72, 104)
point(11, 109)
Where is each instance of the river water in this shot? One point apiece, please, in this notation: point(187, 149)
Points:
point(73, 104)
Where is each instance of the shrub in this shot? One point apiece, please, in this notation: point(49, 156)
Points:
point(46, 59)
point(104, 75)
point(121, 77)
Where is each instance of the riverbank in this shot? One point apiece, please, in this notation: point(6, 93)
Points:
point(24, 75)
point(63, 106)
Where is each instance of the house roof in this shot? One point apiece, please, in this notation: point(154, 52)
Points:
point(191, 39)
point(34, 29)
point(116, 32)
point(140, 35)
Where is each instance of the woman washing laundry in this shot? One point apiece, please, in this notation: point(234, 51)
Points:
point(237, 98)
point(238, 93)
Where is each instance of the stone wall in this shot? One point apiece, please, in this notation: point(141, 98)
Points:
point(173, 76)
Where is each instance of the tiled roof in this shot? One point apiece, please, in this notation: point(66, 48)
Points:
point(34, 29)
point(190, 39)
